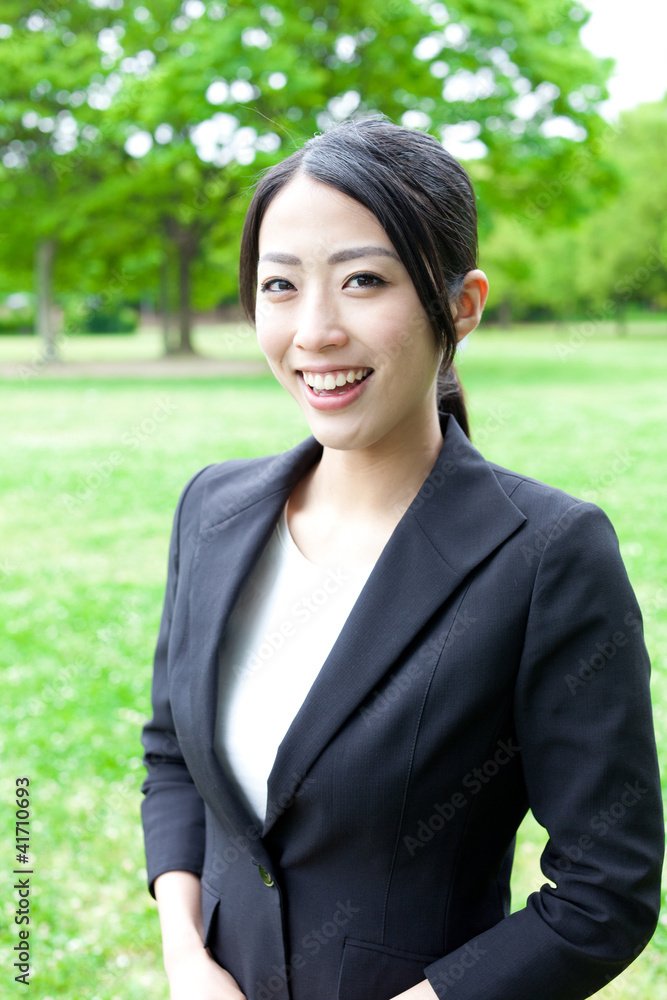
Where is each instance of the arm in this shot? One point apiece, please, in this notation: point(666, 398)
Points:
point(190, 969)
point(174, 827)
point(172, 810)
point(178, 896)
point(590, 769)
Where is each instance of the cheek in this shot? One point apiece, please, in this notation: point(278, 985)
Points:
point(402, 331)
point(271, 316)
point(272, 336)
point(262, 319)
point(415, 321)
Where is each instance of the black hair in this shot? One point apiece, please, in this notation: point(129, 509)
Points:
point(421, 196)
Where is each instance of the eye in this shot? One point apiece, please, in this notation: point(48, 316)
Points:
point(276, 285)
point(365, 280)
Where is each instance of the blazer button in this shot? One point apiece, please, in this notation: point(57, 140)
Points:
point(265, 876)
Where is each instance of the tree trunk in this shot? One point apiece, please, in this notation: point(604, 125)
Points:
point(44, 256)
point(164, 303)
point(621, 320)
point(185, 256)
point(185, 242)
point(505, 313)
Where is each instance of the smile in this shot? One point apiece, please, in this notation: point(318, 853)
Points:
point(335, 382)
point(335, 390)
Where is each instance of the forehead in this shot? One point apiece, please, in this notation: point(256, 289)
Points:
point(308, 212)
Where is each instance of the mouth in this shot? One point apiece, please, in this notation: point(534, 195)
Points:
point(335, 383)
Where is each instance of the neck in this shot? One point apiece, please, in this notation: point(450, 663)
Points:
point(380, 480)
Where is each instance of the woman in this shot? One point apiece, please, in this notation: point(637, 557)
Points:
point(370, 658)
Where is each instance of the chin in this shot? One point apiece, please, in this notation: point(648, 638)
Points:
point(341, 438)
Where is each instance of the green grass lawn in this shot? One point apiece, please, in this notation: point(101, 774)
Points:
point(237, 341)
point(230, 341)
point(90, 476)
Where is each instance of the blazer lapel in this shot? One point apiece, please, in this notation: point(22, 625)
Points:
point(460, 515)
point(237, 519)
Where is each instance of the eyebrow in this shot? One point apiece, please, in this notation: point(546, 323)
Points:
point(336, 258)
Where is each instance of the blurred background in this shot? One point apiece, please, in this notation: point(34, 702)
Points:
point(130, 137)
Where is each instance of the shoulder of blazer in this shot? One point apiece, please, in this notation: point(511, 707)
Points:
point(551, 513)
point(220, 491)
point(534, 497)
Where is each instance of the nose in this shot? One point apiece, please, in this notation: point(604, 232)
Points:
point(318, 323)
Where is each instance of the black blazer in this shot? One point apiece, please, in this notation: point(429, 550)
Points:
point(494, 661)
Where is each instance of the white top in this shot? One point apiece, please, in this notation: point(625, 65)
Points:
point(279, 634)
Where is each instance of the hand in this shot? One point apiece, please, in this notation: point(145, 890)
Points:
point(198, 975)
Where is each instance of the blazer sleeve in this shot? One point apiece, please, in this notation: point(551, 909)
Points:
point(172, 810)
point(583, 722)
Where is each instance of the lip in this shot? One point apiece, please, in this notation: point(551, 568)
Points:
point(323, 369)
point(326, 403)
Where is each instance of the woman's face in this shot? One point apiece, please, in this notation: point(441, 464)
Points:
point(339, 319)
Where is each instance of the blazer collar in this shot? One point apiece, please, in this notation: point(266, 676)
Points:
point(460, 515)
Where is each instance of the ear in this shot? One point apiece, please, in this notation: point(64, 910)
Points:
point(468, 308)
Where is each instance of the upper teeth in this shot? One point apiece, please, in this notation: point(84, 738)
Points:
point(332, 379)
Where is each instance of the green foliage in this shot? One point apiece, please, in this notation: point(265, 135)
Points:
point(49, 62)
point(93, 316)
point(624, 243)
point(601, 261)
point(131, 133)
point(16, 320)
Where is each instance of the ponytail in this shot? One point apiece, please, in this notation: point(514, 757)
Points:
point(451, 397)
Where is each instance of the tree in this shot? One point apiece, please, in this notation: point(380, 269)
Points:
point(190, 102)
point(624, 243)
point(601, 260)
point(49, 70)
